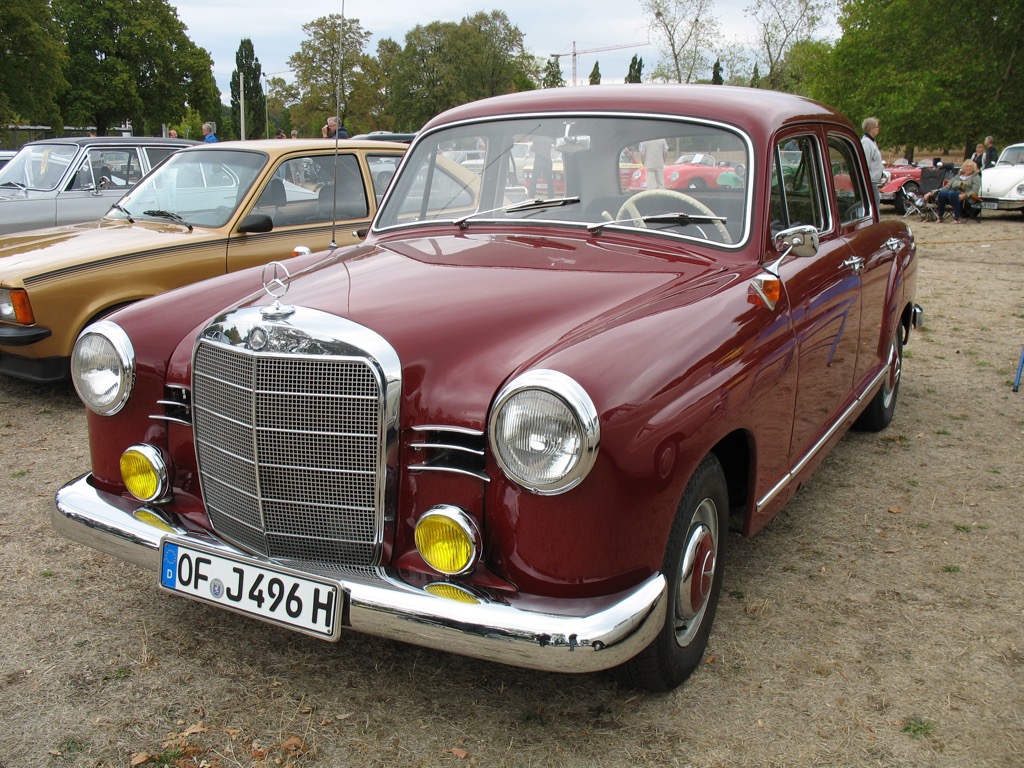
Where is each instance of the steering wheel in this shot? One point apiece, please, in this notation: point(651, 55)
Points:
point(629, 208)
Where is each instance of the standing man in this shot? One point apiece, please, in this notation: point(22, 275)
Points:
point(991, 153)
point(869, 141)
point(172, 134)
point(208, 134)
point(654, 155)
point(335, 130)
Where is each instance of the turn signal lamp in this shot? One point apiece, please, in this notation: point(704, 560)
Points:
point(448, 540)
point(144, 472)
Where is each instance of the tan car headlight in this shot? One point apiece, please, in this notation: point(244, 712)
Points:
point(103, 367)
point(15, 306)
point(544, 432)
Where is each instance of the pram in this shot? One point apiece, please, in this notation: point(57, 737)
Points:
point(916, 205)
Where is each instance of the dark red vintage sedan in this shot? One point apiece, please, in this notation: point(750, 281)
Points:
point(517, 428)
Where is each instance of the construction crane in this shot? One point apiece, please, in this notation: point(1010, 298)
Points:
point(575, 53)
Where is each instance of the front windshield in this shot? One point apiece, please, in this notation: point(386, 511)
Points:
point(605, 172)
point(202, 187)
point(38, 166)
point(1012, 156)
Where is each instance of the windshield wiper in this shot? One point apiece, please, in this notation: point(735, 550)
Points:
point(662, 218)
point(168, 215)
point(524, 205)
point(127, 215)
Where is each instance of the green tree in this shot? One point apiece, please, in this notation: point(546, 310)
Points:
point(328, 67)
point(636, 70)
point(716, 72)
point(552, 77)
point(686, 30)
point(782, 24)
point(927, 86)
point(32, 62)
point(251, 72)
point(595, 74)
point(130, 60)
point(444, 64)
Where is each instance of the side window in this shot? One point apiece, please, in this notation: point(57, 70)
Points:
point(157, 155)
point(847, 180)
point(317, 188)
point(83, 178)
point(120, 166)
point(797, 193)
point(382, 170)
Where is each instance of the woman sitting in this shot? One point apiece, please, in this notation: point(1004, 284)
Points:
point(956, 190)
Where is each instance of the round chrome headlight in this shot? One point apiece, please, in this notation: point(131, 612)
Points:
point(103, 367)
point(544, 432)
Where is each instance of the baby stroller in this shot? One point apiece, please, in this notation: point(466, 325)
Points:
point(916, 205)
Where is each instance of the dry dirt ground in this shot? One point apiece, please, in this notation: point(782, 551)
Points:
point(879, 621)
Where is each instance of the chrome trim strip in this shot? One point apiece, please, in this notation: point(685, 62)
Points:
point(798, 467)
point(447, 447)
point(440, 428)
point(171, 419)
point(537, 633)
point(454, 470)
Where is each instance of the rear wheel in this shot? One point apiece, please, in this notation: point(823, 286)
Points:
point(694, 564)
point(878, 415)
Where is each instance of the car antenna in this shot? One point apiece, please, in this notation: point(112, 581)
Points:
point(337, 128)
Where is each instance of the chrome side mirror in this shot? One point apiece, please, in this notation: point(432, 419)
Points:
point(801, 241)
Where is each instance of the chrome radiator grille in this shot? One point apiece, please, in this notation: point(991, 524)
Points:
point(289, 452)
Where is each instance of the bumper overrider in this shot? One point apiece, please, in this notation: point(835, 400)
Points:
point(559, 635)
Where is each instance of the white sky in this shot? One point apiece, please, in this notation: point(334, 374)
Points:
point(549, 26)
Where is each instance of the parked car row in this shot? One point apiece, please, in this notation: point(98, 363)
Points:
point(516, 428)
point(71, 180)
point(1002, 186)
point(208, 210)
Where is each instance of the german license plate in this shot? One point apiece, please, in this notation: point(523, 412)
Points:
point(989, 205)
point(263, 590)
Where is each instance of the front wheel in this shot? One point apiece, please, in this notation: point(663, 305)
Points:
point(901, 198)
point(693, 565)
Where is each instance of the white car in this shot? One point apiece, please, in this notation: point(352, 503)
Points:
point(1002, 185)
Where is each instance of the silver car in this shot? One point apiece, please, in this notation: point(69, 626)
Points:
point(67, 181)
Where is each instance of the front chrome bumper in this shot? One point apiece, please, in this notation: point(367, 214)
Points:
point(558, 635)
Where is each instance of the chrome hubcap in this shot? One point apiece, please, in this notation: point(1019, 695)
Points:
point(697, 571)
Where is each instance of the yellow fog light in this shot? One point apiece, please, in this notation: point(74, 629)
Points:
point(448, 540)
point(452, 592)
point(144, 472)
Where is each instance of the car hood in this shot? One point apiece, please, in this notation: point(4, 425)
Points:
point(465, 312)
point(23, 254)
point(1000, 181)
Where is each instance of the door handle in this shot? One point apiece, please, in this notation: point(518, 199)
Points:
point(855, 263)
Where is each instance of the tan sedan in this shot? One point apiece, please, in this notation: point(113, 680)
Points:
point(208, 210)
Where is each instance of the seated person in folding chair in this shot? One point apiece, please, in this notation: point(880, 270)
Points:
point(957, 191)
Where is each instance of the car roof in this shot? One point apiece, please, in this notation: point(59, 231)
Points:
point(88, 141)
point(386, 136)
point(757, 110)
point(282, 146)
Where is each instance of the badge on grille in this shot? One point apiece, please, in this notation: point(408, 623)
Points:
point(275, 283)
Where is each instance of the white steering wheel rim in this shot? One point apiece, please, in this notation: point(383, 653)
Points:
point(629, 208)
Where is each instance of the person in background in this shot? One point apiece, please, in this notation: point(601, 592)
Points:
point(295, 134)
point(654, 155)
point(208, 134)
point(978, 158)
point(172, 134)
point(956, 190)
point(869, 141)
point(335, 130)
point(991, 154)
point(281, 134)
